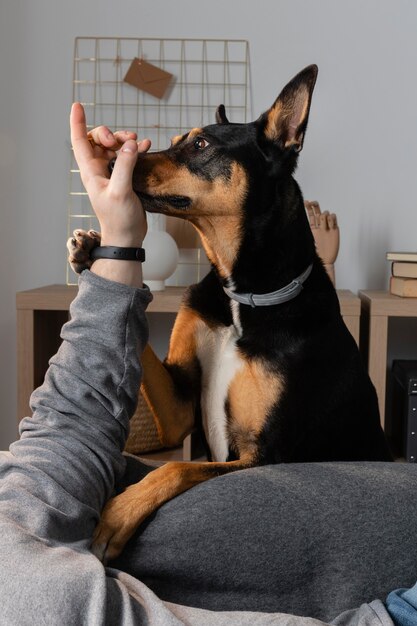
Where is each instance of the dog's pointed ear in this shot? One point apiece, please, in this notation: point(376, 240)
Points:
point(221, 115)
point(286, 121)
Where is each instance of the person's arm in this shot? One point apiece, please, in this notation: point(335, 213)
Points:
point(91, 387)
point(58, 475)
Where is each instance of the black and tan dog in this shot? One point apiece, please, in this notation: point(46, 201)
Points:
point(259, 351)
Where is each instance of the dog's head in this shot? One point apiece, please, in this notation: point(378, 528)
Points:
point(208, 171)
point(225, 174)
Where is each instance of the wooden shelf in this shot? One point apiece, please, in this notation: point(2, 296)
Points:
point(376, 309)
point(386, 304)
point(59, 298)
point(41, 313)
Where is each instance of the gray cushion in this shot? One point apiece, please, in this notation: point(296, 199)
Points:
point(308, 539)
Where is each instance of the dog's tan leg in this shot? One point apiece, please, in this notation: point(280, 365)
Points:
point(172, 389)
point(123, 514)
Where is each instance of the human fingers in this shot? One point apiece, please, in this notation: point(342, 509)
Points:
point(90, 166)
point(79, 140)
point(121, 178)
point(103, 137)
point(123, 135)
point(144, 145)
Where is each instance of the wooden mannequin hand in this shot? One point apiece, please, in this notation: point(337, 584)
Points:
point(326, 234)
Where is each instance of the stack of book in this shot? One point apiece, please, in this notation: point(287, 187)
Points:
point(403, 274)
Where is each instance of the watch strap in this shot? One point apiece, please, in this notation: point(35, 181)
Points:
point(118, 253)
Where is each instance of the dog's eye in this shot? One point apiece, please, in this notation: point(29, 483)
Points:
point(200, 143)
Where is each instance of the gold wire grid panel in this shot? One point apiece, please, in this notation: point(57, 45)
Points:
point(206, 73)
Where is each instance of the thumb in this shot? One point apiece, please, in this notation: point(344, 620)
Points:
point(121, 178)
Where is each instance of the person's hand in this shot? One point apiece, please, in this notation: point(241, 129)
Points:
point(118, 209)
point(326, 235)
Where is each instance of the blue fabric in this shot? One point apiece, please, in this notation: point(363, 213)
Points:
point(402, 606)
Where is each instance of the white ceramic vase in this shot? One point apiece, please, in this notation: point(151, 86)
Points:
point(161, 253)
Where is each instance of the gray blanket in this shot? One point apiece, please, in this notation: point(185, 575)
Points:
point(311, 540)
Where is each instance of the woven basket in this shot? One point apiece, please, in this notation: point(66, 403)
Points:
point(143, 435)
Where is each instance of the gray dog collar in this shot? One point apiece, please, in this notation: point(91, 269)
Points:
point(284, 294)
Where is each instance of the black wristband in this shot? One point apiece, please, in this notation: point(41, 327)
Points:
point(114, 252)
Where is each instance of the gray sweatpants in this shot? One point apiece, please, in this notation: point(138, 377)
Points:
point(55, 480)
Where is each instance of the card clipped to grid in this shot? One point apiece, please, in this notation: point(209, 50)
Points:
point(148, 77)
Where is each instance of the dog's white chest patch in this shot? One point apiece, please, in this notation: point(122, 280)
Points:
point(220, 360)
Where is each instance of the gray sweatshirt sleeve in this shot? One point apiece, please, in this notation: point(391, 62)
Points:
point(81, 412)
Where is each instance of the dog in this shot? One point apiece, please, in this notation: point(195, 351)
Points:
point(259, 353)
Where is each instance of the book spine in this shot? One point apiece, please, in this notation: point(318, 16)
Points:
point(402, 256)
point(404, 287)
point(404, 269)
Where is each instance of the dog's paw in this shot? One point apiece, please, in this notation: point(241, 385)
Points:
point(117, 524)
point(79, 247)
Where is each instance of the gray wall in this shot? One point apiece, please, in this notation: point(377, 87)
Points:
point(359, 157)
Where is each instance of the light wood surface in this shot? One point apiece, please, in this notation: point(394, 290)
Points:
point(377, 308)
point(385, 303)
point(59, 298)
point(41, 313)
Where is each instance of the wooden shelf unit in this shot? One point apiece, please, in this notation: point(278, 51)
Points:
point(42, 312)
point(376, 309)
